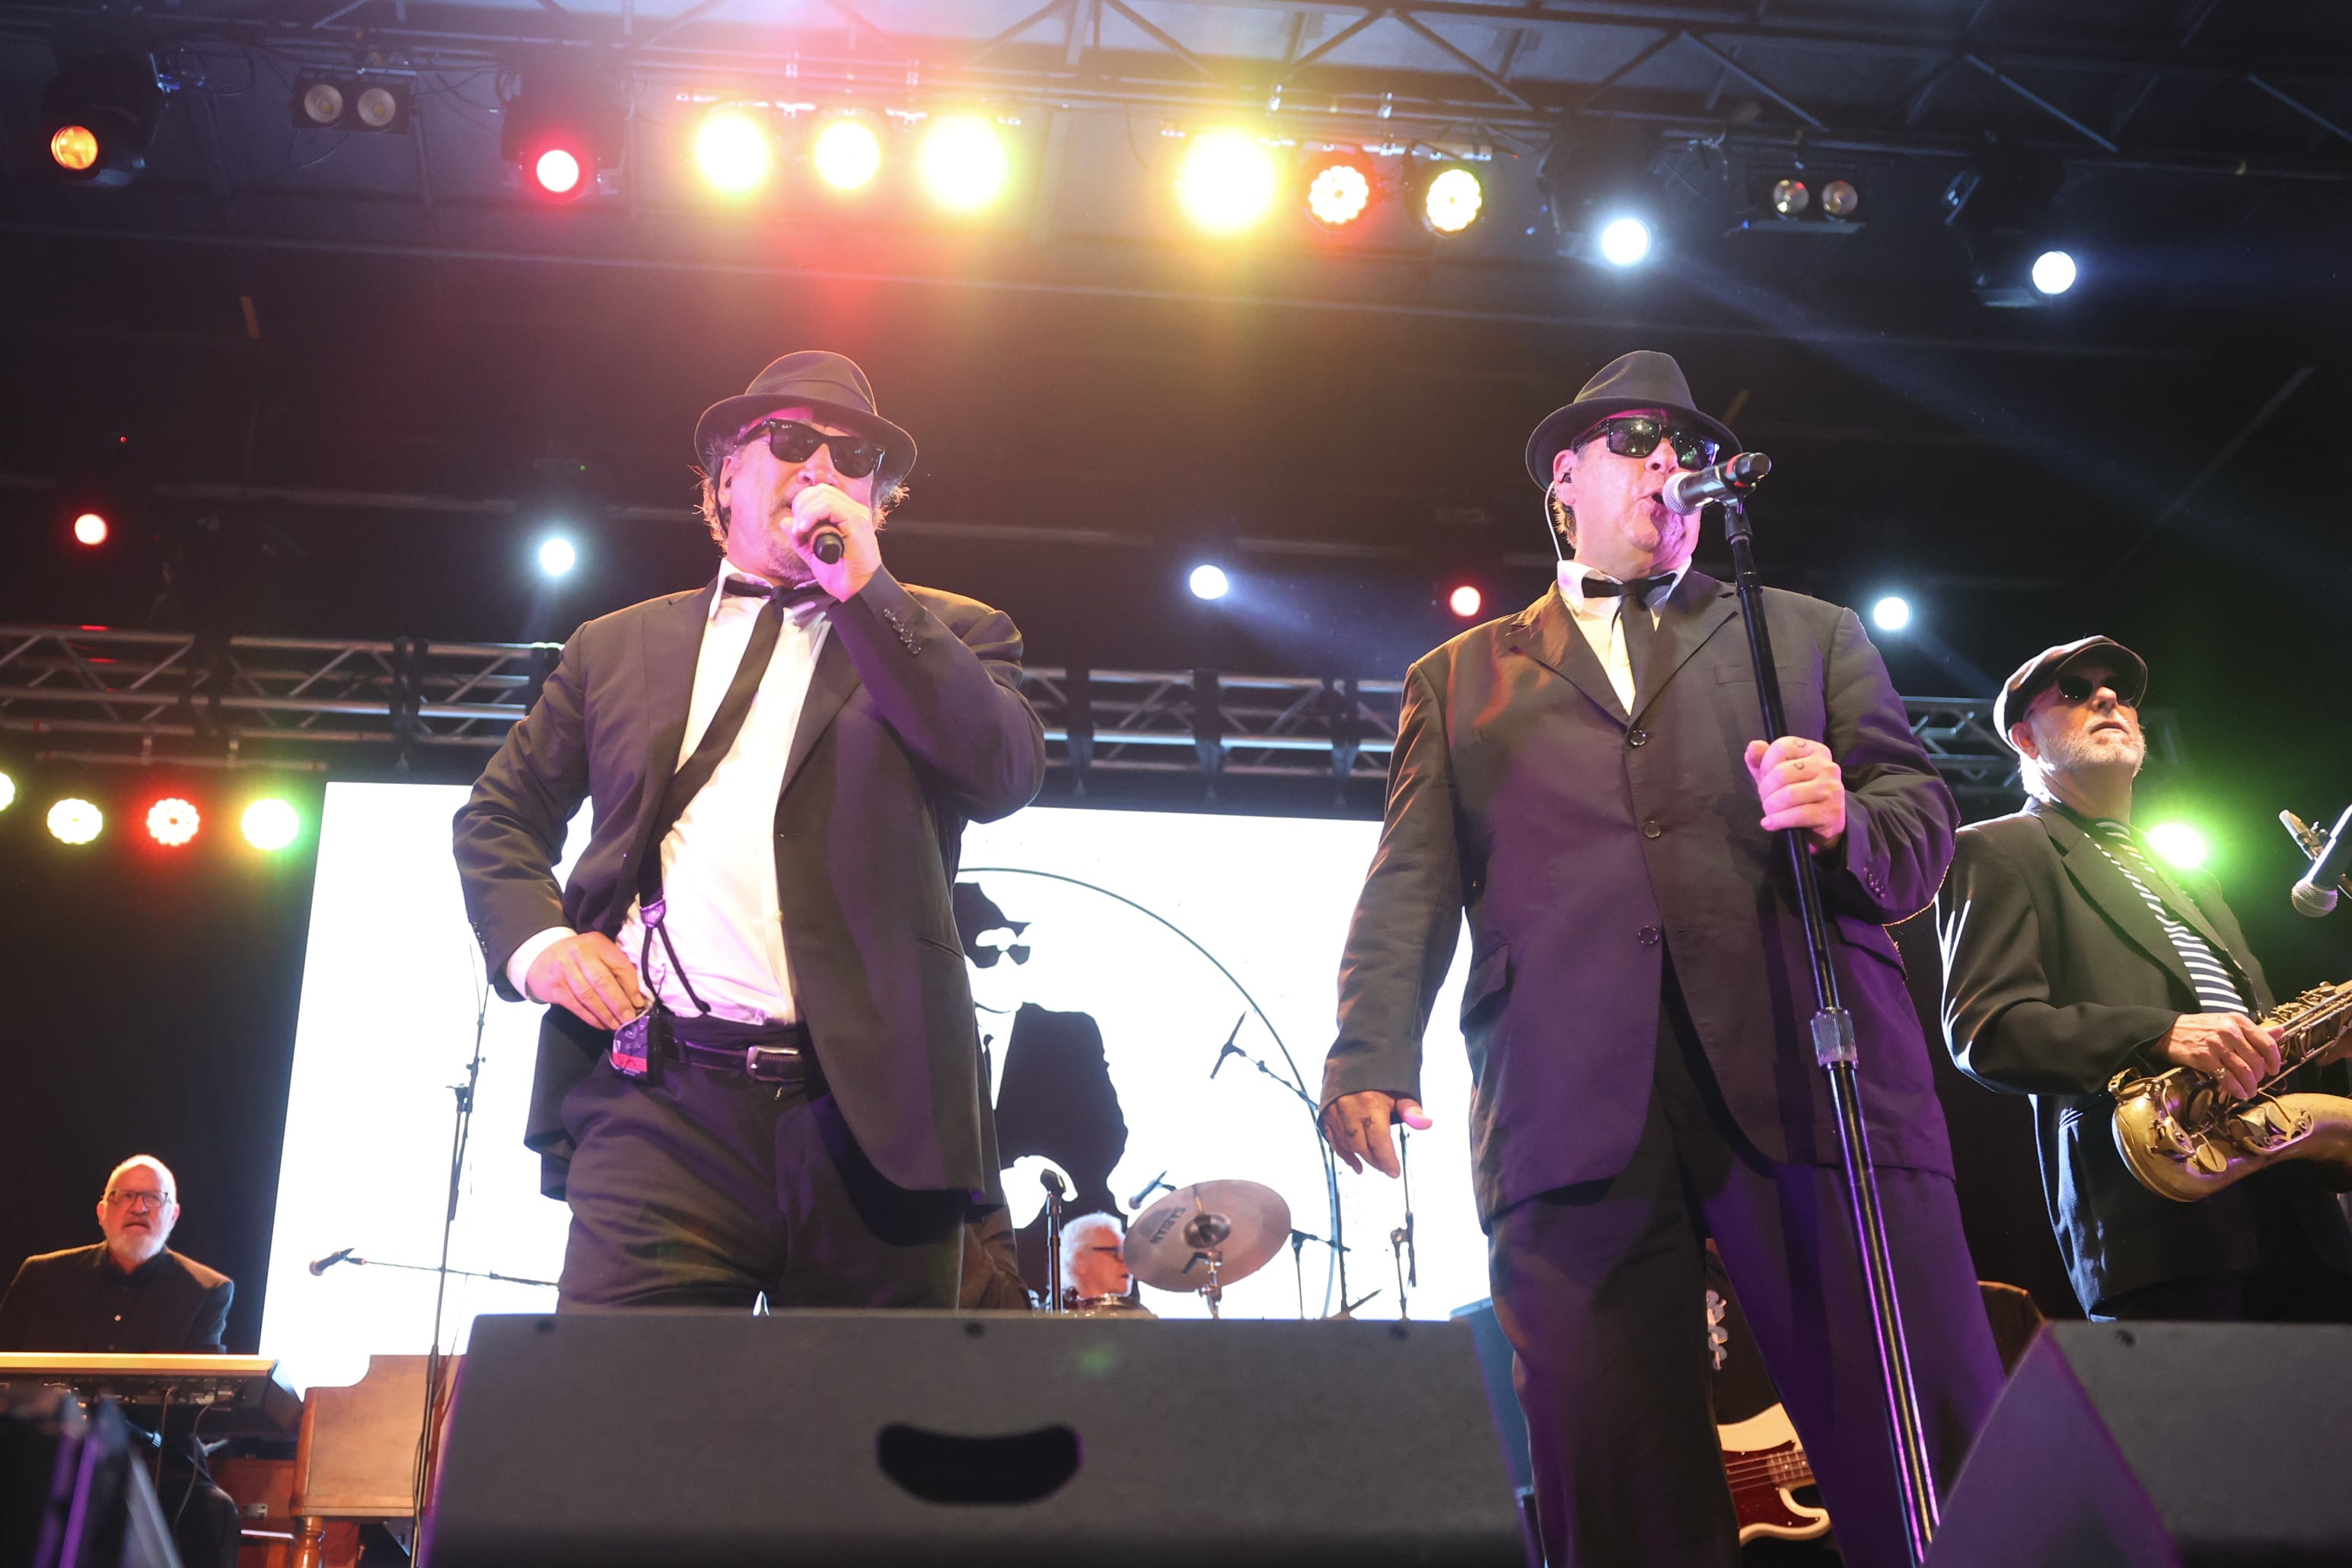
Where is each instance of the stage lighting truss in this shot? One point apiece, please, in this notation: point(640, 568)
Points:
point(98, 116)
point(351, 103)
point(1450, 198)
point(561, 128)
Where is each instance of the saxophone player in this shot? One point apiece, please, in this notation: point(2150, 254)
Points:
point(2072, 954)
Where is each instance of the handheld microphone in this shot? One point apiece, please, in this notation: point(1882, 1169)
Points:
point(319, 1266)
point(1230, 1049)
point(826, 545)
point(2314, 894)
point(1734, 477)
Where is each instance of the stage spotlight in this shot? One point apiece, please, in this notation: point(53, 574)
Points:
point(1338, 189)
point(90, 529)
point(2053, 272)
point(74, 821)
point(1227, 182)
point(732, 151)
point(1791, 197)
point(172, 821)
point(1624, 242)
point(847, 155)
point(2180, 843)
point(7, 791)
point(383, 106)
point(963, 162)
point(1840, 199)
point(556, 556)
point(1452, 199)
point(99, 117)
point(270, 824)
point(1464, 602)
point(1208, 582)
point(317, 105)
point(1891, 614)
point(563, 125)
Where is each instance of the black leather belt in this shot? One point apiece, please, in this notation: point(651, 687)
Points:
point(786, 1062)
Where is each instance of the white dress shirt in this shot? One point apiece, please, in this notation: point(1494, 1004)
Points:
point(719, 863)
point(1598, 619)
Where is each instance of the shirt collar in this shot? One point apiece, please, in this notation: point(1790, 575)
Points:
point(1573, 574)
point(723, 603)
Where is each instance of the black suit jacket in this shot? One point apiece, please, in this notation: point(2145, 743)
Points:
point(2057, 976)
point(1583, 842)
point(913, 724)
point(173, 1305)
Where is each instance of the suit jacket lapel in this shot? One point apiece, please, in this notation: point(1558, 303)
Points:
point(1547, 634)
point(2100, 882)
point(670, 639)
point(830, 684)
point(1693, 613)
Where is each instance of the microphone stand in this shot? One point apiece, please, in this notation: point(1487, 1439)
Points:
point(435, 1365)
point(357, 1261)
point(1299, 1240)
point(1314, 1115)
point(1408, 1257)
point(1053, 1193)
point(1833, 1051)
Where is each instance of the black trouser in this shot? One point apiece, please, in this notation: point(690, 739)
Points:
point(1601, 1288)
point(707, 1188)
point(2289, 1283)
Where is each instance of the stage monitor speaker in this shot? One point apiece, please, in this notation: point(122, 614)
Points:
point(2135, 1444)
point(901, 1437)
point(74, 1492)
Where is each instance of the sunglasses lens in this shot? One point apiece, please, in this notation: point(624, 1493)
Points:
point(794, 443)
point(1633, 437)
point(856, 458)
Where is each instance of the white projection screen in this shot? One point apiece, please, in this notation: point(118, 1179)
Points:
point(391, 988)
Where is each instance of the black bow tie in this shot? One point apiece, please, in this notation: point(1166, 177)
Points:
point(789, 595)
point(1641, 590)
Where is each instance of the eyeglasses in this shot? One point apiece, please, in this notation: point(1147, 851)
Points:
point(2076, 688)
point(1638, 435)
point(128, 1200)
point(793, 442)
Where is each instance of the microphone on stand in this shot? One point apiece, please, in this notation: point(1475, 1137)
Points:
point(1230, 1049)
point(2314, 893)
point(320, 1265)
point(1149, 1187)
point(1734, 477)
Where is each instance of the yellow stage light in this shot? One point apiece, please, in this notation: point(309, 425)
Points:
point(1228, 182)
point(75, 148)
point(74, 821)
point(730, 149)
point(963, 162)
point(847, 155)
point(1339, 192)
point(1453, 200)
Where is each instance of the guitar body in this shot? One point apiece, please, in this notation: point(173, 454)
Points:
point(1765, 1464)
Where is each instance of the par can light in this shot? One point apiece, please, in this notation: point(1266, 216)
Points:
point(1840, 199)
point(1791, 197)
point(731, 150)
point(7, 791)
point(2180, 843)
point(1453, 200)
point(1338, 190)
point(963, 162)
point(270, 824)
point(2053, 272)
point(74, 821)
point(1466, 602)
point(172, 821)
point(1625, 242)
point(1891, 614)
point(90, 529)
point(847, 155)
point(1227, 182)
point(1208, 582)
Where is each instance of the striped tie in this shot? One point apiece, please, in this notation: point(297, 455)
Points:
point(2216, 992)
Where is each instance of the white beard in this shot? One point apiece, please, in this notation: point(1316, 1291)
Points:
point(2074, 753)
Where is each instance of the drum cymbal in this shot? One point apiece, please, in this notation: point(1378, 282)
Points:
point(1241, 1224)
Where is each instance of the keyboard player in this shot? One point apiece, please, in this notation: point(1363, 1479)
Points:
point(132, 1294)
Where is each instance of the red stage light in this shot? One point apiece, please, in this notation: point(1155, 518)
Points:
point(1464, 602)
point(91, 527)
point(172, 821)
point(558, 171)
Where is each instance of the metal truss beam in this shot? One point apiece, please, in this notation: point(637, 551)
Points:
point(327, 706)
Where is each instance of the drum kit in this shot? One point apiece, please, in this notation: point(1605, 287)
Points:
point(1206, 1236)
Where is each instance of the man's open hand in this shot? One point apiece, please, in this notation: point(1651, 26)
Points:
point(589, 976)
point(1358, 1125)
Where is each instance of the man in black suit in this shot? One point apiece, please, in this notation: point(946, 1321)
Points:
point(2071, 954)
point(132, 1295)
point(761, 1070)
point(1589, 779)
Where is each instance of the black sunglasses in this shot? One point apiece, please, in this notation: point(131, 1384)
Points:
point(793, 442)
point(2076, 687)
point(1637, 436)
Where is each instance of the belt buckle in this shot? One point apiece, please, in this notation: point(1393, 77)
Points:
point(784, 1057)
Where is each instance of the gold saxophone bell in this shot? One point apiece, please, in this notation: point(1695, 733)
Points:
point(2185, 1139)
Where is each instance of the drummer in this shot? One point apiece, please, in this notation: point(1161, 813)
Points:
point(1095, 1263)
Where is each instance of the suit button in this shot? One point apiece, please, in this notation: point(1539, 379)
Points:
point(1648, 936)
point(1637, 737)
point(1652, 830)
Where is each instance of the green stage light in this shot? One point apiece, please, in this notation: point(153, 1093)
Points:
point(2180, 843)
point(270, 824)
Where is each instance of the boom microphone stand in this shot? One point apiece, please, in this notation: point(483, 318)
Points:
point(1833, 1050)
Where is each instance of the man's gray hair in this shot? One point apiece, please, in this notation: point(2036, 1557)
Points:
point(713, 504)
point(1074, 1232)
point(162, 1173)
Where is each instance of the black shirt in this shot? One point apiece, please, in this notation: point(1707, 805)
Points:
point(77, 1301)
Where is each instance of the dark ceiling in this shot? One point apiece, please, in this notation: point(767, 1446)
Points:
point(340, 383)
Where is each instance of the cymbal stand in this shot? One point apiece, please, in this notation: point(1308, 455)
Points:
point(1834, 1052)
point(1408, 1260)
point(1212, 1292)
point(1054, 1193)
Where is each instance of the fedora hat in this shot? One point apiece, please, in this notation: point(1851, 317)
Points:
point(828, 384)
point(1642, 379)
point(2018, 692)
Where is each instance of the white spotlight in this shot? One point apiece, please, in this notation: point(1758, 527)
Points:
point(557, 557)
point(1625, 242)
point(1891, 614)
point(1208, 582)
point(2053, 272)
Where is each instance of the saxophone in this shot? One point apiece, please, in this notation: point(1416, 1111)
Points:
point(2185, 1139)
